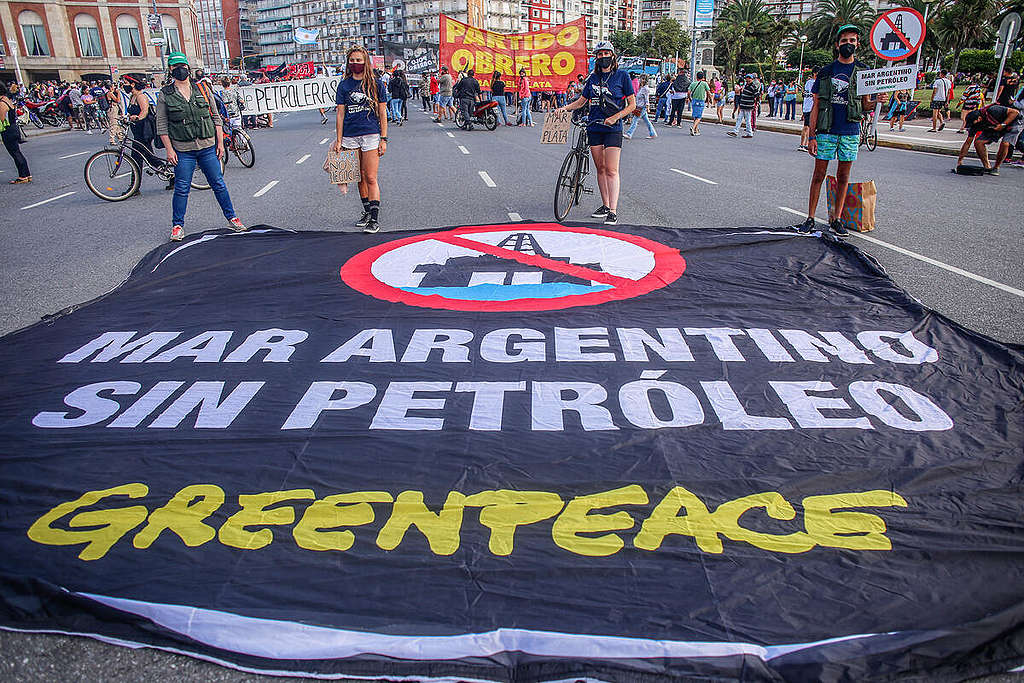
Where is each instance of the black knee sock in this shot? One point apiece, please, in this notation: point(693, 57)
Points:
point(374, 208)
point(366, 203)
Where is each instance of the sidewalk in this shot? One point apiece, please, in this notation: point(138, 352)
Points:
point(915, 137)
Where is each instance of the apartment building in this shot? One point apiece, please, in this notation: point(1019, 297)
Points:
point(336, 21)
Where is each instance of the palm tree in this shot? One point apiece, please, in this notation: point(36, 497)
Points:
point(741, 27)
point(832, 14)
point(965, 24)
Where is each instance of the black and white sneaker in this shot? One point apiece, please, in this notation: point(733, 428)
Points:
point(610, 218)
point(600, 213)
point(806, 226)
point(372, 226)
point(839, 229)
point(363, 220)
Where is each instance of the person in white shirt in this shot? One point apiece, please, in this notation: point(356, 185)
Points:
point(805, 133)
point(941, 88)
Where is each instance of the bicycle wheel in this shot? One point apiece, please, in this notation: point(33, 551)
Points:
point(872, 138)
point(112, 176)
point(243, 148)
point(199, 178)
point(567, 188)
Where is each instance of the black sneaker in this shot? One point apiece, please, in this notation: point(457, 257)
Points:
point(610, 218)
point(371, 226)
point(839, 229)
point(363, 220)
point(991, 171)
point(600, 213)
point(806, 226)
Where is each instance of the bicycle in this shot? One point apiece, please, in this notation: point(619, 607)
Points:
point(238, 141)
point(575, 169)
point(114, 175)
point(868, 133)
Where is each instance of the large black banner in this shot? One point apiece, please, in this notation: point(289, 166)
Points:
point(518, 452)
point(419, 56)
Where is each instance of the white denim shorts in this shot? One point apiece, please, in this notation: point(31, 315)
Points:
point(364, 142)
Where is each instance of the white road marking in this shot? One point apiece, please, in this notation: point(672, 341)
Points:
point(76, 154)
point(925, 259)
point(451, 135)
point(487, 179)
point(303, 158)
point(266, 188)
point(441, 124)
point(513, 216)
point(695, 177)
point(47, 201)
point(463, 149)
point(324, 141)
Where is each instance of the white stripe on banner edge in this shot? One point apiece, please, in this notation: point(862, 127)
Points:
point(278, 639)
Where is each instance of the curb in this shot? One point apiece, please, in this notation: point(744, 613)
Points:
point(37, 133)
point(774, 127)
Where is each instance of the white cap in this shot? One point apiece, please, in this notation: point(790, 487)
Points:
point(604, 45)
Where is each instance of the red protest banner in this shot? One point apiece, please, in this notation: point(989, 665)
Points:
point(551, 58)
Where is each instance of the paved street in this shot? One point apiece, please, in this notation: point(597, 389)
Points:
point(953, 242)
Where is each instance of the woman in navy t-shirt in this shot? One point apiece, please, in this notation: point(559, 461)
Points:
point(362, 124)
point(604, 129)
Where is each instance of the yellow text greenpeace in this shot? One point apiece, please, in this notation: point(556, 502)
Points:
point(591, 525)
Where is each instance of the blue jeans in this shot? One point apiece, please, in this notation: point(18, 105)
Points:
point(183, 172)
point(525, 116)
point(395, 109)
point(662, 109)
point(646, 119)
point(500, 101)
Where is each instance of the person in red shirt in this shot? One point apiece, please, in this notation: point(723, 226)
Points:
point(435, 88)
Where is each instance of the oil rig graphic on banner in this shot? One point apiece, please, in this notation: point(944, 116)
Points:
point(892, 42)
point(466, 271)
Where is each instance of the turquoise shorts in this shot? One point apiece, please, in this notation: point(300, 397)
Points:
point(842, 147)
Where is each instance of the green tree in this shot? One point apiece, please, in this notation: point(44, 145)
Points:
point(780, 32)
point(624, 42)
point(812, 58)
point(832, 14)
point(664, 39)
point(978, 61)
point(932, 42)
point(964, 24)
point(742, 26)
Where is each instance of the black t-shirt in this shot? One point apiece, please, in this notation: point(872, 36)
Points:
point(498, 88)
point(990, 117)
point(1009, 88)
point(469, 88)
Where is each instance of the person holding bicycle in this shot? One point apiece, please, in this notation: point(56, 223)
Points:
point(609, 92)
point(191, 131)
point(836, 119)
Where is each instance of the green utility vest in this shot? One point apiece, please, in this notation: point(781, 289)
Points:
point(854, 111)
point(187, 120)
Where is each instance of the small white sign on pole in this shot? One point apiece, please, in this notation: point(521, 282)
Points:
point(887, 79)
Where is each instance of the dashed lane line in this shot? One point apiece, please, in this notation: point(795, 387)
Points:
point(487, 179)
point(47, 201)
point(303, 158)
point(76, 154)
point(513, 216)
point(266, 188)
point(695, 177)
point(324, 141)
point(451, 135)
point(463, 149)
point(924, 259)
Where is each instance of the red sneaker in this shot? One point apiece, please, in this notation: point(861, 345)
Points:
point(177, 233)
point(236, 225)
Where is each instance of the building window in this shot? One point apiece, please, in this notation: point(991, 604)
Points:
point(34, 34)
point(171, 34)
point(128, 34)
point(88, 36)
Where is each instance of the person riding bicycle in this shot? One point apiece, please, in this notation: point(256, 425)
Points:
point(609, 93)
point(191, 131)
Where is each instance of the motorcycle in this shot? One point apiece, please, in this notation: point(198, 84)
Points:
point(483, 114)
point(45, 112)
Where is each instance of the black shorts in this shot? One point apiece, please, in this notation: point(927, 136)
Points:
point(609, 138)
point(807, 118)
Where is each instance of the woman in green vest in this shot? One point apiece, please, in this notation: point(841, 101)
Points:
point(190, 128)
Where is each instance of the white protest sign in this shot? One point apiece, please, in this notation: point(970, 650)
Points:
point(886, 79)
point(308, 93)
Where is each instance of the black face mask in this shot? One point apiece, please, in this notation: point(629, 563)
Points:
point(604, 62)
point(846, 50)
point(180, 73)
point(127, 89)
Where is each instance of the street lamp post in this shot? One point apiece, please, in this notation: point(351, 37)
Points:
point(13, 44)
point(800, 71)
